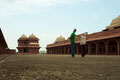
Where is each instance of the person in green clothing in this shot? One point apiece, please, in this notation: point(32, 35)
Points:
point(72, 40)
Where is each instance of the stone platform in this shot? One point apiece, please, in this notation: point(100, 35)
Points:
point(60, 67)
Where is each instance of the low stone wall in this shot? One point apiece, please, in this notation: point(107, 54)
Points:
point(11, 51)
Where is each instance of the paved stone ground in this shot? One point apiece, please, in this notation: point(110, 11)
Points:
point(60, 67)
point(3, 57)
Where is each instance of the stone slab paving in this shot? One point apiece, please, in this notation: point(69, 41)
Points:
point(60, 67)
point(3, 57)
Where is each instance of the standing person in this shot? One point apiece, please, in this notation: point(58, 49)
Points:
point(83, 44)
point(72, 40)
point(83, 48)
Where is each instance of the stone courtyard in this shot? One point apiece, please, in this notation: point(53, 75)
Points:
point(59, 67)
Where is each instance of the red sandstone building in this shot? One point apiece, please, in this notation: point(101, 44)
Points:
point(106, 42)
point(28, 45)
point(3, 45)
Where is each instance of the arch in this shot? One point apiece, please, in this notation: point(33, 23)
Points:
point(101, 48)
point(93, 48)
point(112, 47)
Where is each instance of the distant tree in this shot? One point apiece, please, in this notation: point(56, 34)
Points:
point(43, 52)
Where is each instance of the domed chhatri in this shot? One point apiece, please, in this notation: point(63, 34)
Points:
point(115, 23)
point(60, 38)
point(23, 37)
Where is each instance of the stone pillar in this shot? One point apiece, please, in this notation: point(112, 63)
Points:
point(89, 49)
point(97, 48)
point(64, 50)
point(56, 51)
point(68, 50)
point(77, 49)
point(60, 50)
point(53, 51)
point(106, 48)
point(47, 51)
point(118, 47)
point(50, 51)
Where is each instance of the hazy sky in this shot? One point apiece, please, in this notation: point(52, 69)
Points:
point(48, 19)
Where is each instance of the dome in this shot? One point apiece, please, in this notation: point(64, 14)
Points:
point(32, 36)
point(61, 38)
point(115, 23)
point(23, 37)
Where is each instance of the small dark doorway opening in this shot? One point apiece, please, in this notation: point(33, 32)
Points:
point(25, 50)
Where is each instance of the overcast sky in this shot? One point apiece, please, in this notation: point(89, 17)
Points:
point(48, 19)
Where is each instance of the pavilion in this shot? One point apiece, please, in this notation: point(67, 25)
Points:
point(28, 45)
